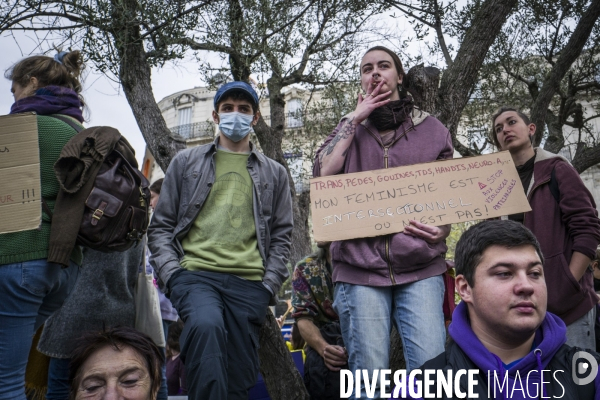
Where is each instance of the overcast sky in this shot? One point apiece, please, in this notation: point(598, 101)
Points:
point(106, 102)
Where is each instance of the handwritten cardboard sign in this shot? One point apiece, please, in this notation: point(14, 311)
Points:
point(20, 186)
point(383, 201)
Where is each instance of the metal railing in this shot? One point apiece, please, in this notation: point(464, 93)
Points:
point(299, 119)
point(195, 130)
point(292, 120)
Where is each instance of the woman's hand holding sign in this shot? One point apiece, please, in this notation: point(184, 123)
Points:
point(429, 233)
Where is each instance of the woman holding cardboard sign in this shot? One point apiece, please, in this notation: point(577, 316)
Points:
point(564, 219)
point(31, 289)
point(393, 277)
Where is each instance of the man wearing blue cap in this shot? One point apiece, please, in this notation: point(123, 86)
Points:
point(220, 239)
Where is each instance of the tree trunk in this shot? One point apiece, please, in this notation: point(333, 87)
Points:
point(271, 139)
point(422, 83)
point(276, 365)
point(556, 139)
point(134, 74)
point(568, 55)
point(585, 157)
point(460, 78)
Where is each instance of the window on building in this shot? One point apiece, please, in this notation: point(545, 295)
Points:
point(185, 116)
point(295, 164)
point(294, 113)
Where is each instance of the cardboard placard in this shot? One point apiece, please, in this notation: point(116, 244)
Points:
point(381, 202)
point(20, 185)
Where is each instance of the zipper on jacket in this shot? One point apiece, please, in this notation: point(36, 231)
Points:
point(387, 238)
point(385, 165)
point(385, 156)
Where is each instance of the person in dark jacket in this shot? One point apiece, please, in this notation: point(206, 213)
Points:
point(564, 219)
point(502, 330)
point(220, 238)
point(31, 287)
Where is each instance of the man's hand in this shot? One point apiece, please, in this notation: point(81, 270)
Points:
point(431, 234)
point(334, 357)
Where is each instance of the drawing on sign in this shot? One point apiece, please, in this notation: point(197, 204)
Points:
point(20, 186)
point(374, 203)
point(26, 197)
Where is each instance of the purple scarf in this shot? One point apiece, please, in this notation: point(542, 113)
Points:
point(51, 100)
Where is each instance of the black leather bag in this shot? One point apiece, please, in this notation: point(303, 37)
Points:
point(116, 210)
point(116, 214)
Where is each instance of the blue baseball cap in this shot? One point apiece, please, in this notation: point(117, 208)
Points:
point(236, 85)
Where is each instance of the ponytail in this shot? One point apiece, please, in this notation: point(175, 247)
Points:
point(64, 69)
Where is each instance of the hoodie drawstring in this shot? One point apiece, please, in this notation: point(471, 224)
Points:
point(503, 372)
point(538, 357)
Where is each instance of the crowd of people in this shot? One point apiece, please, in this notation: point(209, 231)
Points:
point(219, 243)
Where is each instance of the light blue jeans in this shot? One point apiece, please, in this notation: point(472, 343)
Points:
point(29, 293)
point(366, 314)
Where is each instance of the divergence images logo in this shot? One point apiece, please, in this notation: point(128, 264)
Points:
point(580, 366)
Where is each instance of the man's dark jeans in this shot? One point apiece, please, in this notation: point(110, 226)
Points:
point(222, 316)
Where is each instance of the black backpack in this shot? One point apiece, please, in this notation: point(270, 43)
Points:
point(116, 210)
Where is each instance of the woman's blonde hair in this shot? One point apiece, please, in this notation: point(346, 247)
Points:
point(63, 70)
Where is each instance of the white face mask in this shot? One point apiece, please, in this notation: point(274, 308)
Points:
point(235, 125)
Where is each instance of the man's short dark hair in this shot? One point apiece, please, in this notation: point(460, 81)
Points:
point(238, 94)
point(501, 111)
point(473, 243)
point(117, 338)
point(157, 186)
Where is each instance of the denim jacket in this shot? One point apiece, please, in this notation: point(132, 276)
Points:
point(188, 182)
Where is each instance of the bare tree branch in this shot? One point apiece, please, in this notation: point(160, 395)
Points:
point(550, 55)
point(440, 34)
point(567, 57)
point(204, 46)
point(175, 17)
point(461, 76)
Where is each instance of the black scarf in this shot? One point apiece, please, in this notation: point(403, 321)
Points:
point(526, 172)
point(391, 115)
